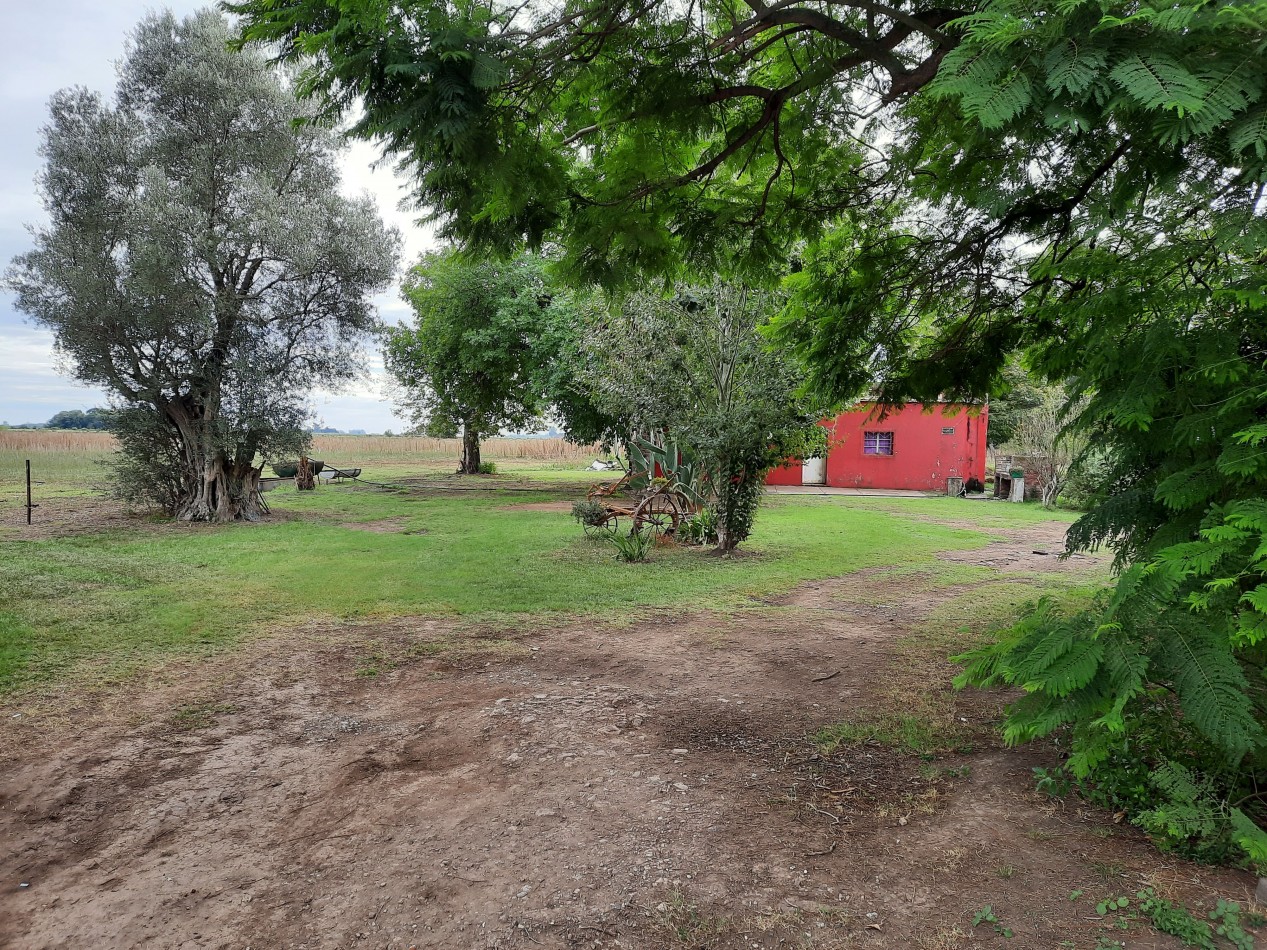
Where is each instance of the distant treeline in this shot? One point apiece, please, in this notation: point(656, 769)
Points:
point(72, 419)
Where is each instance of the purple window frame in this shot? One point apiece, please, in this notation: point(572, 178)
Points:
point(876, 443)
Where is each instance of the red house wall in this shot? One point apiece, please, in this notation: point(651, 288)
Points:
point(784, 475)
point(923, 455)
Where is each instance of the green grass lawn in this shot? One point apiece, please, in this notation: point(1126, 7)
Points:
point(96, 606)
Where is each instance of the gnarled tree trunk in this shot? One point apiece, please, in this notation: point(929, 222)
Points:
point(218, 486)
point(221, 491)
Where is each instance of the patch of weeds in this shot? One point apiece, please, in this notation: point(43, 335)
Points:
point(1227, 924)
point(374, 663)
point(910, 732)
point(946, 939)
point(681, 922)
point(1054, 782)
point(1175, 919)
point(589, 514)
point(1005, 871)
point(1111, 905)
point(1037, 834)
point(194, 716)
point(771, 921)
point(1171, 917)
point(1107, 871)
point(986, 915)
point(1074, 895)
point(458, 648)
point(835, 915)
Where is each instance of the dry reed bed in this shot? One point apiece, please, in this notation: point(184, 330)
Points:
point(59, 440)
point(346, 447)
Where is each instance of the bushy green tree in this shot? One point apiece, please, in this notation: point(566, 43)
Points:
point(494, 346)
point(1099, 205)
point(1017, 393)
point(199, 262)
point(78, 419)
point(694, 369)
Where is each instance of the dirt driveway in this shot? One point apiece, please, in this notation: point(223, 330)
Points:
point(642, 786)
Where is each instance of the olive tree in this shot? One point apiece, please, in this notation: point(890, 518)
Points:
point(199, 262)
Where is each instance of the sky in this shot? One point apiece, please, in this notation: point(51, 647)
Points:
point(76, 43)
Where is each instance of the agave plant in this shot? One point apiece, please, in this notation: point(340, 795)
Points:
point(633, 546)
point(672, 462)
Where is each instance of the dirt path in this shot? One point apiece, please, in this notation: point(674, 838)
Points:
point(647, 785)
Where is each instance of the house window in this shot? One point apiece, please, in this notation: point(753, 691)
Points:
point(877, 443)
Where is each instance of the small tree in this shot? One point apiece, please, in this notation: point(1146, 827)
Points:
point(696, 369)
point(1051, 448)
point(199, 262)
point(1016, 393)
point(483, 350)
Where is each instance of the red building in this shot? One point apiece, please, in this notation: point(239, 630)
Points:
point(913, 447)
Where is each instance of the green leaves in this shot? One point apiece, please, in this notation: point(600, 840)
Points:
point(1210, 684)
point(1073, 65)
point(1249, 134)
point(988, 90)
point(482, 352)
point(1158, 81)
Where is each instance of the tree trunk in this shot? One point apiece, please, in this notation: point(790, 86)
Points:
point(222, 492)
point(470, 450)
point(726, 542)
point(303, 475)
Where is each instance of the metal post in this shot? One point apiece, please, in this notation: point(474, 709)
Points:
point(28, 491)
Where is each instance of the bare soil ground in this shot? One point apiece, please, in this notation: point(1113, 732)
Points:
point(642, 785)
point(65, 515)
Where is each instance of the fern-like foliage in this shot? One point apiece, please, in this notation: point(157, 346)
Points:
point(1209, 682)
point(1191, 810)
point(1157, 81)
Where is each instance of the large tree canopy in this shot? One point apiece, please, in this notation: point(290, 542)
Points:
point(199, 262)
point(650, 133)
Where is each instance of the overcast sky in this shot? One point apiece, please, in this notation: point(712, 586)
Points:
point(76, 43)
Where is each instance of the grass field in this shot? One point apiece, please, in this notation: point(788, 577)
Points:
point(70, 462)
point(94, 606)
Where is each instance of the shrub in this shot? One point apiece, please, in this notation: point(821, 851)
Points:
point(701, 528)
point(1159, 718)
point(488, 468)
point(146, 471)
point(589, 514)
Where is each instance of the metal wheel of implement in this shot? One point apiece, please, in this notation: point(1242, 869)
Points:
point(660, 513)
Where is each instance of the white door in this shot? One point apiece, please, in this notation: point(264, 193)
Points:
point(814, 472)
